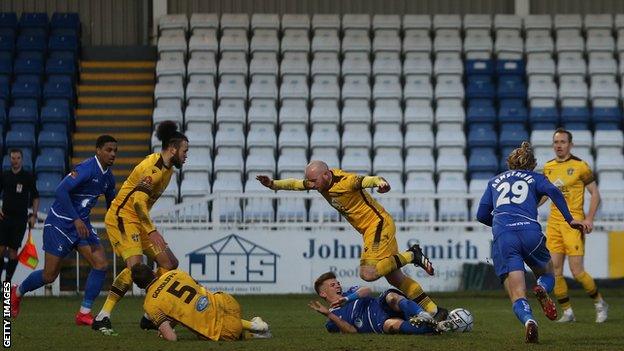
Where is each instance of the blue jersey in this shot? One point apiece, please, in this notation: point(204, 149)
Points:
point(78, 192)
point(366, 314)
point(511, 199)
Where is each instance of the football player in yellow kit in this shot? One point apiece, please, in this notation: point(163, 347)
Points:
point(175, 297)
point(380, 257)
point(572, 176)
point(130, 229)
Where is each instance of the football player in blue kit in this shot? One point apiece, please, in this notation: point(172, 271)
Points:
point(67, 227)
point(509, 206)
point(355, 311)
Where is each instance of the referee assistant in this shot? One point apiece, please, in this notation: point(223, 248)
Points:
point(18, 192)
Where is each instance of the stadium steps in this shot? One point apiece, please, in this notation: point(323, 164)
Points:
point(116, 98)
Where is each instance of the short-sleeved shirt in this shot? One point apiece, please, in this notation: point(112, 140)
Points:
point(18, 191)
point(366, 314)
point(570, 176)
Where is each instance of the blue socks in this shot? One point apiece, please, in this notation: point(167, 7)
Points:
point(407, 328)
point(547, 281)
point(33, 282)
point(95, 280)
point(522, 309)
point(409, 308)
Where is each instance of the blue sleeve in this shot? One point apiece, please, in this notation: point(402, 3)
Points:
point(545, 187)
point(69, 183)
point(331, 327)
point(484, 213)
point(110, 192)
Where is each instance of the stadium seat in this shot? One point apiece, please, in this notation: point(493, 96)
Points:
point(257, 209)
point(482, 135)
point(356, 161)
point(420, 210)
point(47, 183)
point(51, 160)
point(452, 209)
point(295, 40)
point(52, 140)
point(356, 135)
point(482, 161)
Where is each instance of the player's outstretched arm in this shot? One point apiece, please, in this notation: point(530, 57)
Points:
point(282, 184)
point(557, 197)
point(343, 327)
point(167, 332)
point(380, 183)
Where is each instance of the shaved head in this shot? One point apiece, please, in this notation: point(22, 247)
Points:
point(318, 175)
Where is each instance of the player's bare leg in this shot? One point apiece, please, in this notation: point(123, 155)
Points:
point(96, 256)
point(36, 279)
point(516, 289)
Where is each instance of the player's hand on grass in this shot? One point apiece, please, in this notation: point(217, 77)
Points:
point(341, 301)
point(579, 225)
point(383, 187)
point(81, 228)
point(265, 180)
point(319, 307)
point(157, 239)
point(589, 224)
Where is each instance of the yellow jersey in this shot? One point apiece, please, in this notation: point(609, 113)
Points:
point(176, 296)
point(347, 195)
point(140, 191)
point(570, 176)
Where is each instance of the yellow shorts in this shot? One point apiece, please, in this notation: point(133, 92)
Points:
point(128, 237)
point(230, 312)
point(563, 239)
point(379, 243)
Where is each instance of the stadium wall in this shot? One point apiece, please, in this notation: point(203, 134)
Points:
point(254, 261)
point(554, 7)
point(343, 6)
point(104, 22)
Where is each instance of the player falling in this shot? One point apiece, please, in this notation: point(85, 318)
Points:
point(509, 205)
point(129, 227)
point(381, 257)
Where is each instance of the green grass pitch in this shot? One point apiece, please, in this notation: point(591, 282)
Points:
point(47, 324)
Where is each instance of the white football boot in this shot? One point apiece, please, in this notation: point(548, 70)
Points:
point(602, 310)
point(567, 317)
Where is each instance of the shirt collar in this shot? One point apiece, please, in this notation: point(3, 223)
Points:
point(99, 165)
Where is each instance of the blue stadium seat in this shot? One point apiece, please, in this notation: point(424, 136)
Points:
point(510, 68)
point(512, 114)
point(6, 67)
point(65, 21)
point(52, 160)
point(52, 140)
point(23, 127)
point(8, 20)
point(3, 118)
point(577, 117)
point(480, 103)
point(475, 175)
point(61, 103)
point(479, 67)
point(606, 116)
point(31, 55)
point(25, 115)
point(20, 139)
point(482, 160)
point(480, 87)
point(55, 118)
point(511, 87)
point(28, 66)
point(512, 103)
point(25, 90)
point(31, 43)
point(34, 20)
point(482, 135)
point(7, 43)
point(57, 90)
point(64, 43)
point(543, 118)
point(481, 115)
point(512, 135)
point(47, 183)
point(27, 163)
point(60, 67)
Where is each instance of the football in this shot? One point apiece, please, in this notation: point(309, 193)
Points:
point(463, 320)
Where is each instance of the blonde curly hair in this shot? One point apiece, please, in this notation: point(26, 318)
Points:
point(522, 158)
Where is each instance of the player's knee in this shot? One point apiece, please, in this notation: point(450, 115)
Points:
point(576, 271)
point(368, 276)
point(100, 265)
point(392, 298)
point(49, 277)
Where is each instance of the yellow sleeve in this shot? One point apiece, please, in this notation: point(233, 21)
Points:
point(289, 184)
point(154, 313)
point(141, 196)
point(587, 176)
point(371, 181)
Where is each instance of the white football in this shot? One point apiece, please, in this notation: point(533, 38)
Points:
point(462, 318)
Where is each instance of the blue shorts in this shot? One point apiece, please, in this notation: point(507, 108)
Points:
point(60, 238)
point(511, 249)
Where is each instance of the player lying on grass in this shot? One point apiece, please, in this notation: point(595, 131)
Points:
point(509, 206)
point(380, 255)
point(67, 227)
point(175, 297)
point(355, 311)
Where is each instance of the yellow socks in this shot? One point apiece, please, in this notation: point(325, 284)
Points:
point(246, 324)
point(561, 292)
point(414, 291)
point(393, 262)
point(121, 285)
point(589, 285)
